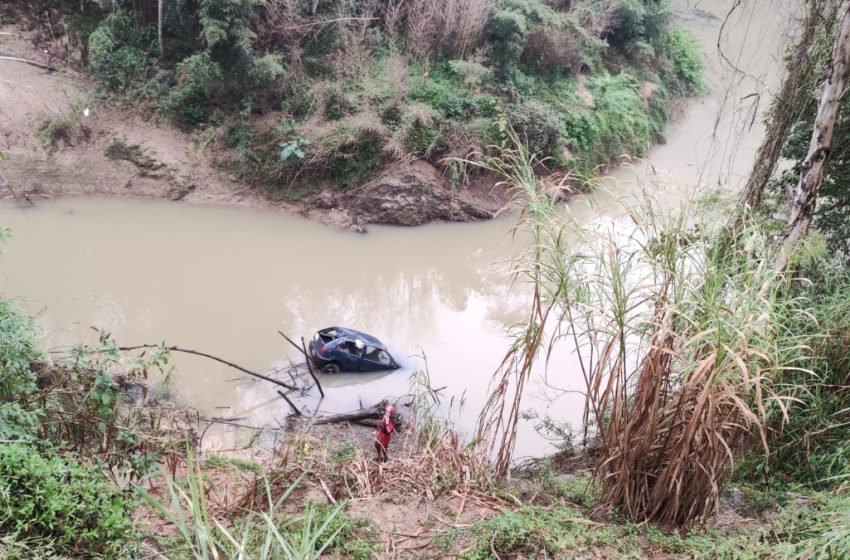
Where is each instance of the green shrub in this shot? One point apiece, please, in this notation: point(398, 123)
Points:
point(529, 532)
point(505, 30)
point(347, 155)
point(337, 104)
point(471, 74)
point(658, 114)
point(637, 21)
point(262, 92)
point(351, 537)
point(538, 126)
point(511, 21)
point(683, 50)
point(441, 97)
point(621, 117)
point(119, 52)
point(18, 353)
point(656, 21)
point(119, 149)
point(486, 106)
point(420, 138)
point(55, 500)
point(265, 70)
point(626, 23)
point(198, 79)
point(392, 113)
point(580, 130)
point(812, 443)
point(351, 154)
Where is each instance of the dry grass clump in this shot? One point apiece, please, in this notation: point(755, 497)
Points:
point(427, 457)
point(440, 26)
point(670, 429)
point(431, 460)
point(676, 346)
point(547, 48)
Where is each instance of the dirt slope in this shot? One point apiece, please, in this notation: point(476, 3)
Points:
point(76, 164)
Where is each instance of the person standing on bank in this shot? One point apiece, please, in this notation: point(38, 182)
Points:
point(383, 433)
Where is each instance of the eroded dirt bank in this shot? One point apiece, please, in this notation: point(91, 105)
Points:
point(55, 138)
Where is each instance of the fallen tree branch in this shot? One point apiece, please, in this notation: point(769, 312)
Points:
point(369, 417)
point(325, 22)
point(295, 409)
point(30, 62)
point(289, 340)
point(310, 368)
point(211, 357)
point(303, 350)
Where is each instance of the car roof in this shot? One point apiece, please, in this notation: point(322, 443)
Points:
point(367, 338)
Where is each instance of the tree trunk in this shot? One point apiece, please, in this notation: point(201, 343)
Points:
point(811, 173)
point(159, 16)
point(789, 104)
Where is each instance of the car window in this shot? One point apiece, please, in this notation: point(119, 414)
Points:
point(350, 346)
point(384, 358)
point(377, 355)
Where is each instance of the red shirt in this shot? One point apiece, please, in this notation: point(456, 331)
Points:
point(383, 431)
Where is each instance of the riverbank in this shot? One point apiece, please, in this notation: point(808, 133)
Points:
point(59, 140)
point(548, 509)
point(387, 134)
point(316, 490)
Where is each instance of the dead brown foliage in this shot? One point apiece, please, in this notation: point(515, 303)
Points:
point(668, 445)
point(676, 347)
point(547, 49)
point(285, 27)
point(439, 26)
point(432, 462)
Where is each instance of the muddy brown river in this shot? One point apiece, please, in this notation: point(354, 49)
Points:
point(224, 280)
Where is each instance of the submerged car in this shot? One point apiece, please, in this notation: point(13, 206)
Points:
point(338, 349)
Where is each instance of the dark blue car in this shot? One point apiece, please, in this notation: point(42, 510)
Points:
point(338, 349)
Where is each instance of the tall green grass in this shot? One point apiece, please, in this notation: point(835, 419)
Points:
point(809, 437)
point(264, 534)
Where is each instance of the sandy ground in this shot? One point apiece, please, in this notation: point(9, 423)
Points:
point(31, 98)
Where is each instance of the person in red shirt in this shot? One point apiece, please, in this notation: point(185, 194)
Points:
point(383, 433)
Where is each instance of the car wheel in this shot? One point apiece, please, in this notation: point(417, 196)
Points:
point(332, 367)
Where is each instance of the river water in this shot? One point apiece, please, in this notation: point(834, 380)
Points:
point(224, 280)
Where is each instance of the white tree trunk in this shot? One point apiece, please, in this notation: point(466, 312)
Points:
point(805, 195)
point(159, 17)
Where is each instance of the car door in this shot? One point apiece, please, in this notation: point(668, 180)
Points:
point(375, 359)
point(349, 355)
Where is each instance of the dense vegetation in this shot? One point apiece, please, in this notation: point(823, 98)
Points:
point(330, 92)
